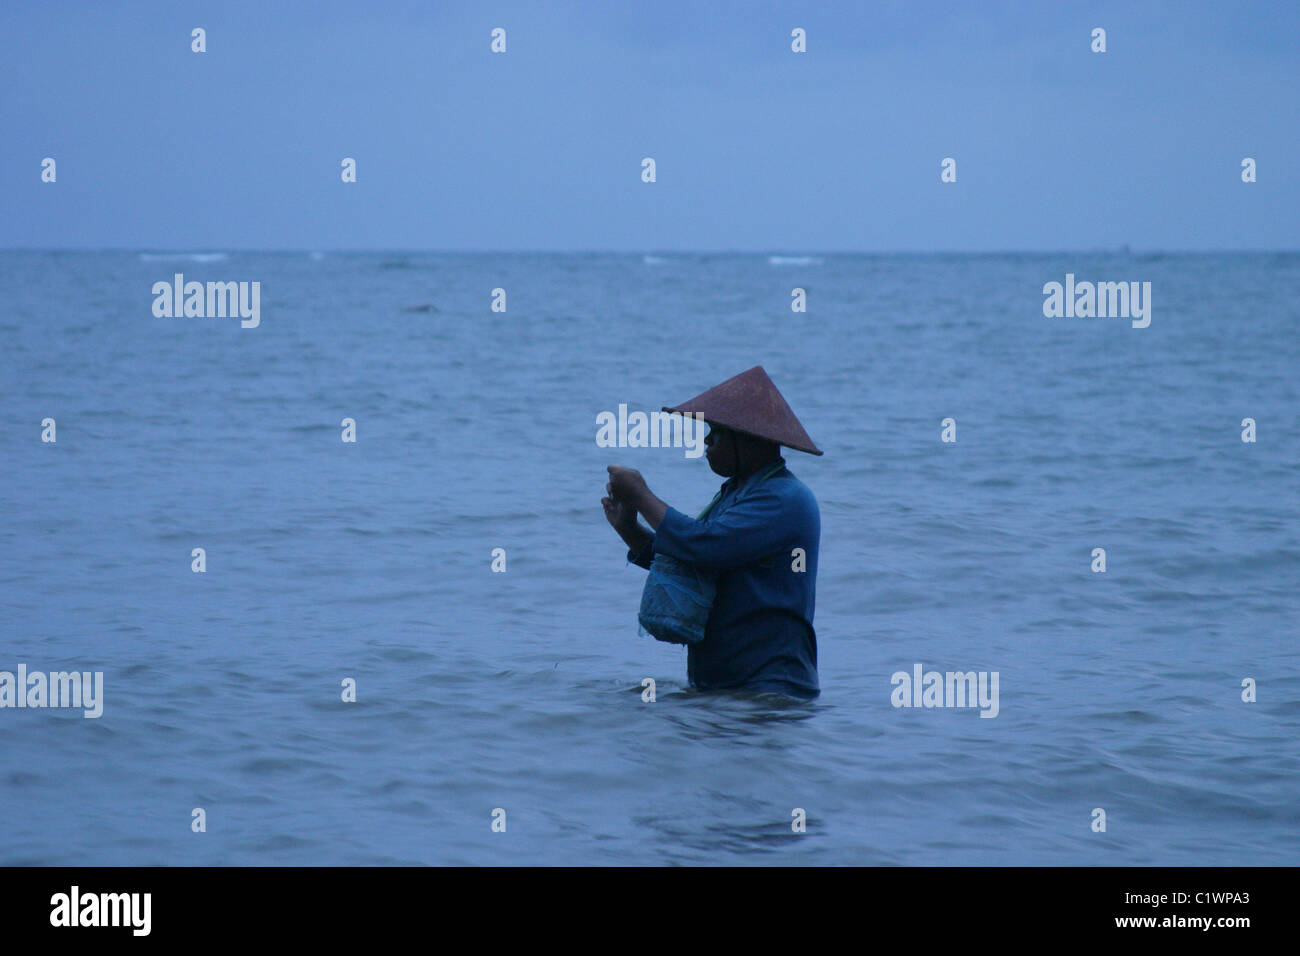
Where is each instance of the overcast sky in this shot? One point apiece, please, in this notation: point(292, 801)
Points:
point(757, 148)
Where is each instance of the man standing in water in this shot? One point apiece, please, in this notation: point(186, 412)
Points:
point(762, 544)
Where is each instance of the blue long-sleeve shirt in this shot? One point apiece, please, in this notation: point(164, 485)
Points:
point(759, 635)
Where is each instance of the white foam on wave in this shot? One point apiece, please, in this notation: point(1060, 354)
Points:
point(794, 260)
point(183, 256)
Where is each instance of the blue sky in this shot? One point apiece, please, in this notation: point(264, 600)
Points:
point(757, 148)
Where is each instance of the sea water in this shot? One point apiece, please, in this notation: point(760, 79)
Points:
point(522, 691)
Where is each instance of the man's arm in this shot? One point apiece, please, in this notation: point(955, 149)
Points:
point(761, 524)
point(638, 539)
point(622, 518)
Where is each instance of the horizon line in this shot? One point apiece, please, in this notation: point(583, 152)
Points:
point(786, 253)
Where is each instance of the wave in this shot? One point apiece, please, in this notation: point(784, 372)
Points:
point(185, 256)
point(794, 260)
point(653, 260)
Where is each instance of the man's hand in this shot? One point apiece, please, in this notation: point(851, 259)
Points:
point(619, 513)
point(626, 484)
point(620, 510)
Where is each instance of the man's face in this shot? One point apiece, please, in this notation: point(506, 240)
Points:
point(720, 450)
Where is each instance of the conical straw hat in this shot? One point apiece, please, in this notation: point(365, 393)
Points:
point(750, 403)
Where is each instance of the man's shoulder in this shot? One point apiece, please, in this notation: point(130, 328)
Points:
point(793, 491)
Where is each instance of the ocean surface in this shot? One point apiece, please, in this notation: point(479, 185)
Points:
point(522, 691)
